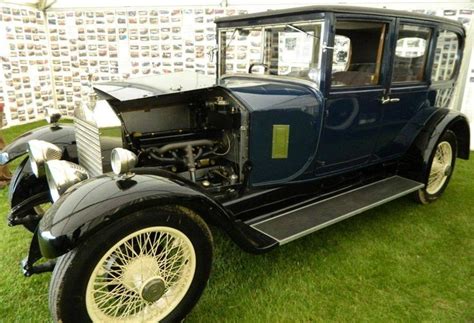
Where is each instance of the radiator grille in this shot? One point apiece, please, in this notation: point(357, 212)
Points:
point(88, 146)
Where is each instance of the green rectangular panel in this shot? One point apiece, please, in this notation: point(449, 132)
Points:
point(281, 137)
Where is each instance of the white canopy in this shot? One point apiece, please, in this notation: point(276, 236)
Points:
point(60, 4)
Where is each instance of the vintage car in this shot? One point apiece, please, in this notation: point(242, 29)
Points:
point(317, 114)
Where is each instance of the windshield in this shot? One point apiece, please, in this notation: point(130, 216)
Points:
point(288, 50)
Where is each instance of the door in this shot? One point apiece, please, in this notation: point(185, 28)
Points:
point(408, 93)
point(353, 110)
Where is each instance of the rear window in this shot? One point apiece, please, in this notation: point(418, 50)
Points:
point(411, 53)
point(446, 52)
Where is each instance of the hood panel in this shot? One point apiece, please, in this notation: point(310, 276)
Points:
point(157, 85)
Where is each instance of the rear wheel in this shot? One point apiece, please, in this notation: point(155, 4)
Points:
point(442, 161)
point(148, 267)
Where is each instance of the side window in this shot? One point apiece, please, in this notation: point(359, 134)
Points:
point(411, 53)
point(357, 54)
point(445, 56)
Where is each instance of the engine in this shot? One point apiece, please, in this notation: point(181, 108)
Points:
point(197, 135)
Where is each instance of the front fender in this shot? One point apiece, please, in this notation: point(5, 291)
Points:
point(25, 184)
point(61, 135)
point(90, 206)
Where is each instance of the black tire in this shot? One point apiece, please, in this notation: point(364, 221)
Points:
point(67, 292)
point(422, 196)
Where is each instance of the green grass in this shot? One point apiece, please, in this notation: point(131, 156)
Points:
point(399, 262)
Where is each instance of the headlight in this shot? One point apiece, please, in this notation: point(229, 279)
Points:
point(40, 152)
point(122, 160)
point(61, 175)
point(4, 158)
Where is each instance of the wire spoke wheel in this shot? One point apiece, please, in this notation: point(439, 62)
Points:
point(143, 277)
point(441, 167)
point(148, 266)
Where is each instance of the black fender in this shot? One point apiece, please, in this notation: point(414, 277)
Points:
point(92, 205)
point(416, 162)
point(61, 135)
point(26, 189)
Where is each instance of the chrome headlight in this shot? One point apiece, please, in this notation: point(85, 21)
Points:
point(4, 158)
point(61, 175)
point(40, 152)
point(122, 160)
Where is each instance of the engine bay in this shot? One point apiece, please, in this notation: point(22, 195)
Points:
point(199, 135)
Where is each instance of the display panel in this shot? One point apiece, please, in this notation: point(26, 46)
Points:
point(45, 61)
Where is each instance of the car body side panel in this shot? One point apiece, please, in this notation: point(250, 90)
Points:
point(92, 205)
point(396, 116)
point(351, 126)
point(297, 108)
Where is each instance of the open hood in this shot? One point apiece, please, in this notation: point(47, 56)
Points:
point(156, 85)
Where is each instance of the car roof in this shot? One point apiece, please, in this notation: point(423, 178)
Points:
point(338, 9)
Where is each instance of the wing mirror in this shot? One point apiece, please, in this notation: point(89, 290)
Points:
point(258, 68)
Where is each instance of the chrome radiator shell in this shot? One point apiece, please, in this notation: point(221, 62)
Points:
point(98, 131)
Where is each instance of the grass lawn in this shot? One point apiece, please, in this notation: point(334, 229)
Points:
point(398, 262)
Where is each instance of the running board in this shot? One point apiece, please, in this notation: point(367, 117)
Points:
point(297, 223)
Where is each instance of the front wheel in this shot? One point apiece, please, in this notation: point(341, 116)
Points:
point(147, 267)
point(442, 161)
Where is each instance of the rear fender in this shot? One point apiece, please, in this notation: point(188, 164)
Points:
point(94, 204)
point(416, 162)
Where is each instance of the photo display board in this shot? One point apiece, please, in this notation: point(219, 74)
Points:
point(122, 44)
point(25, 75)
point(46, 60)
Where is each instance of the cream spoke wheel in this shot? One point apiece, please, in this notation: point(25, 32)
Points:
point(441, 167)
point(142, 278)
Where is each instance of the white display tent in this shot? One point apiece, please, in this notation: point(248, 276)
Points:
point(53, 63)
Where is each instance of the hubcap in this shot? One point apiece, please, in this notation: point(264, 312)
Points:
point(143, 277)
point(441, 167)
point(153, 289)
point(138, 271)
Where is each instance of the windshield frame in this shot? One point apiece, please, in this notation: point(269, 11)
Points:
point(277, 24)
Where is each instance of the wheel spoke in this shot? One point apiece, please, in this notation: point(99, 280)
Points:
point(152, 255)
point(439, 167)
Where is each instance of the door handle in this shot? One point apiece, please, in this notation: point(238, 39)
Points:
point(387, 100)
